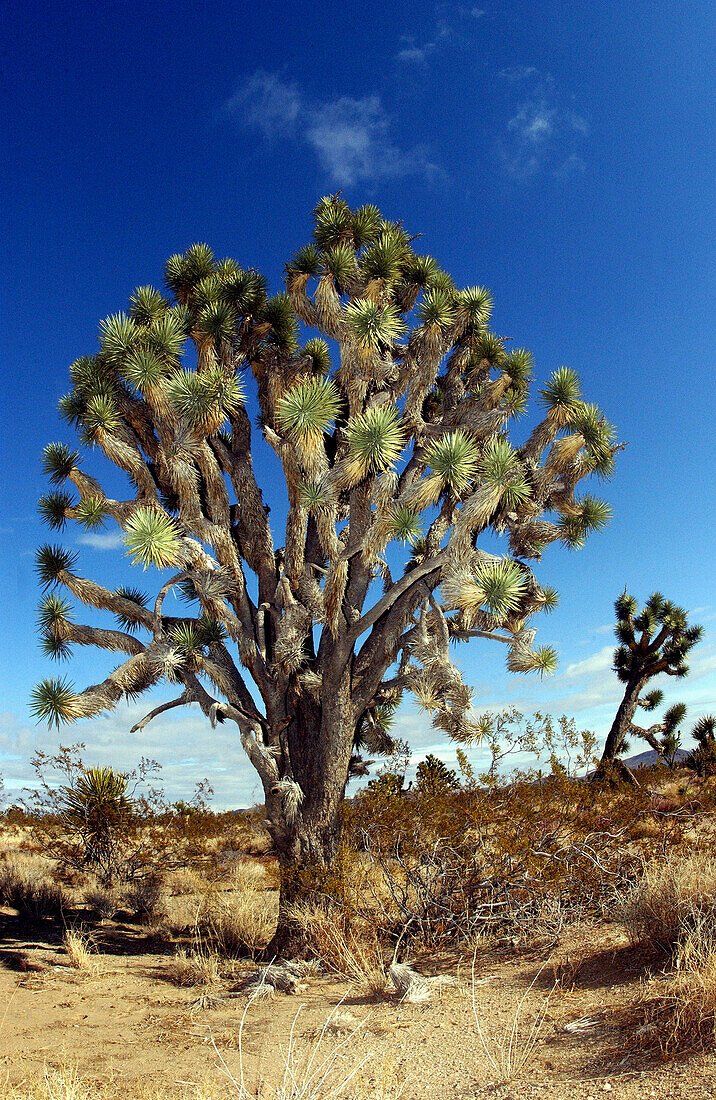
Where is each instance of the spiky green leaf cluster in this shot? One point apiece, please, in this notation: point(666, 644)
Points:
point(562, 396)
point(500, 468)
point(545, 660)
point(58, 461)
point(599, 437)
point(373, 326)
point(437, 309)
point(152, 538)
point(308, 410)
point(651, 700)
point(319, 354)
point(405, 525)
point(375, 438)
point(54, 701)
point(504, 586)
point(90, 512)
point(204, 399)
point(315, 496)
point(51, 561)
point(673, 717)
point(454, 458)
point(549, 598)
point(187, 641)
point(474, 306)
point(52, 613)
point(53, 507)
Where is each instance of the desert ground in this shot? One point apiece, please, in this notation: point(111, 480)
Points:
point(101, 1002)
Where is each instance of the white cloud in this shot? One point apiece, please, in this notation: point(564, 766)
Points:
point(267, 103)
point(452, 31)
point(111, 540)
point(540, 136)
point(605, 628)
point(598, 662)
point(351, 138)
point(533, 123)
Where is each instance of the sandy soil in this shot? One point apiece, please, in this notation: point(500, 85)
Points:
point(132, 1024)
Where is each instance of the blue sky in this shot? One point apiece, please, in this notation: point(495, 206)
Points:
point(559, 153)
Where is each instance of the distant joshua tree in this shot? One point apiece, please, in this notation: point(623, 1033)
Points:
point(702, 759)
point(395, 432)
point(654, 641)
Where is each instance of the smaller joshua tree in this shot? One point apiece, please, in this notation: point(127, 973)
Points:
point(656, 640)
point(702, 759)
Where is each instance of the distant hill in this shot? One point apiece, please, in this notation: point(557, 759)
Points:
point(649, 758)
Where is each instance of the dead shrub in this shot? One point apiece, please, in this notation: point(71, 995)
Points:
point(146, 897)
point(102, 901)
point(489, 856)
point(29, 890)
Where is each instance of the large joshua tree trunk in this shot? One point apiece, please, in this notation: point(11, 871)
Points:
point(307, 835)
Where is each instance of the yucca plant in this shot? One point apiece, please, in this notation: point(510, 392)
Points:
point(652, 641)
point(97, 809)
point(391, 427)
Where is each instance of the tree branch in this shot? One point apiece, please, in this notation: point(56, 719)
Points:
point(180, 702)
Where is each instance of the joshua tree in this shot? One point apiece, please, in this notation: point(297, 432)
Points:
point(654, 641)
point(702, 759)
point(670, 741)
point(395, 433)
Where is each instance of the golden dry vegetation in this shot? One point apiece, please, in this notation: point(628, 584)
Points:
point(573, 928)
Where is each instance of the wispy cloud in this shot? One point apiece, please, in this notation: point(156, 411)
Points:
point(596, 663)
point(352, 139)
point(451, 29)
point(516, 74)
point(98, 540)
point(540, 135)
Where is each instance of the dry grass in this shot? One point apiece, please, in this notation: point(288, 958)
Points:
point(669, 900)
point(673, 908)
point(192, 968)
point(680, 1017)
point(338, 946)
point(82, 953)
point(239, 916)
point(65, 1083)
point(511, 1052)
point(312, 1069)
point(26, 886)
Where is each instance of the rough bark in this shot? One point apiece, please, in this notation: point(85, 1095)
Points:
point(622, 722)
point(320, 739)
